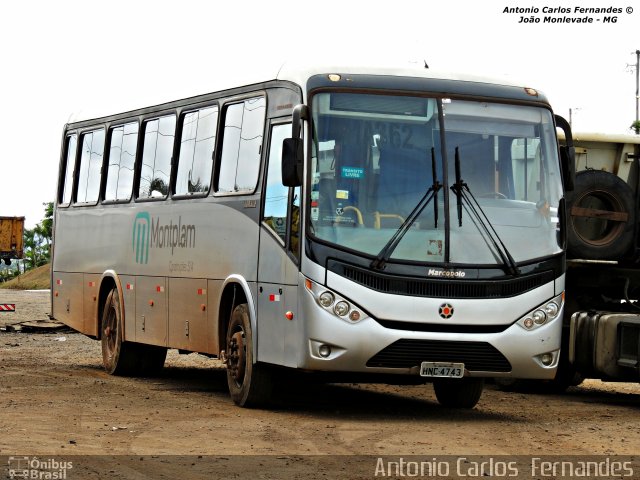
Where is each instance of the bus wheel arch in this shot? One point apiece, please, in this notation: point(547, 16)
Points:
point(235, 291)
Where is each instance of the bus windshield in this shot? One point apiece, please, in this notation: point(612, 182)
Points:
point(375, 158)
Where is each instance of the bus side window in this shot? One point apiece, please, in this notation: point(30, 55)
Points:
point(90, 166)
point(122, 156)
point(70, 161)
point(197, 146)
point(156, 157)
point(276, 195)
point(241, 146)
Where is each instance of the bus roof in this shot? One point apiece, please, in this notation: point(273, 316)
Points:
point(298, 73)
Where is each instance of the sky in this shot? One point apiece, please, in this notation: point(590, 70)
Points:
point(63, 57)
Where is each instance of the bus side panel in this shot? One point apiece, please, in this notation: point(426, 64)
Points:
point(188, 326)
point(151, 310)
point(90, 287)
point(67, 299)
point(128, 284)
point(214, 291)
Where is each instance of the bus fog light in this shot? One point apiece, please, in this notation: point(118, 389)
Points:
point(326, 299)
point(546, 359)
point(354, 316)
point(324, 351)
point(341, 309)
point(539, 317)
point(528, 322)
point(551, 309)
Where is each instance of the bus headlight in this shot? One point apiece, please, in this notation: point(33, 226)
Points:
point(542, 315)
point(539, 317)
point(334, 303)
point(341, 308)
point(326, 299)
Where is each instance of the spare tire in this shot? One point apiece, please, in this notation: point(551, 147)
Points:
point(601, 216)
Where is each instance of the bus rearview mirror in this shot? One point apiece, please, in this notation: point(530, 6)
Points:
point(292, 162)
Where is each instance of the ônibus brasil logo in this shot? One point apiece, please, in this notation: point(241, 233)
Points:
point(150, 233)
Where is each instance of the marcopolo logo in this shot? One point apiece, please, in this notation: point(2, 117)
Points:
point(151, 233)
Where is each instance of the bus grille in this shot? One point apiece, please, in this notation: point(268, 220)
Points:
point(407, 353)
point(439, 288)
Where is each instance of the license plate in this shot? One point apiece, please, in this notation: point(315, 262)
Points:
point(447, 370)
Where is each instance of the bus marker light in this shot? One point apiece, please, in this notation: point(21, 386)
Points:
point(307, 283)
point(289, 315)
point(528, 322)
point(531, 91)
point(334, 77)
point(354, 316)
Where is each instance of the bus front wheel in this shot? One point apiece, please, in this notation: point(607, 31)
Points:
point(458, 393)
point(249, 382)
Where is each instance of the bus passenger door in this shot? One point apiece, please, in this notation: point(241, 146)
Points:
point(278, 258)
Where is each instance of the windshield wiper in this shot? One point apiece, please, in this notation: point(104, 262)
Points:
point(461, 189)
point(383, 257)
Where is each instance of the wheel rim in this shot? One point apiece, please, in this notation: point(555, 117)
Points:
point(596, 218)
point(237, 357)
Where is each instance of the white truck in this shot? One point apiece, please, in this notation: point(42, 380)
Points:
point(601, 336)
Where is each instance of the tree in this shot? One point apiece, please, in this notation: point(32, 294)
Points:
point(37, 240)
point(635, 126)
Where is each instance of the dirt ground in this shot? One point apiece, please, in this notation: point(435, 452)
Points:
point(56, 401)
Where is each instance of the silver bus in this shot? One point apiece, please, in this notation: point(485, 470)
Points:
point(385, 225)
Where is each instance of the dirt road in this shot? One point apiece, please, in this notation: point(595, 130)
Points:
point(55, 400)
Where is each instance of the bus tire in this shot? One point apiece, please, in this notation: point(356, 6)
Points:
point(458, 392)
point(117, 356)
point(249, 382)
point(597, 238)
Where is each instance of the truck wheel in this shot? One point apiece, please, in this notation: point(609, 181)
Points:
point(249, 382)
point(458, 392)
point(601, 216)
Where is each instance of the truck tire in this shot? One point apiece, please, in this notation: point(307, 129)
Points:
point(601, 216)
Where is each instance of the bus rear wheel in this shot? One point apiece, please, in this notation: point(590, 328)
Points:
point(125, 358)
point(458, 392)
point(249, 382)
